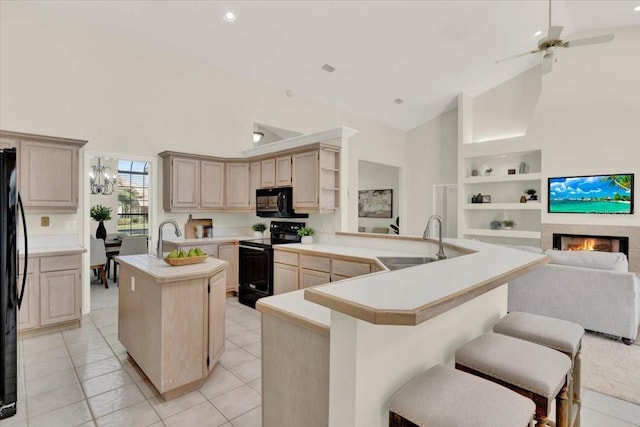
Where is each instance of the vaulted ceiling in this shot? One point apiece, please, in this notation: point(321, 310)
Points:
point(422, 52)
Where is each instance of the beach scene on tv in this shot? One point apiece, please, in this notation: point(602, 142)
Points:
point(591, 194)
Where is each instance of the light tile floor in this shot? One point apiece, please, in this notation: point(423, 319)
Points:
point(83, 377)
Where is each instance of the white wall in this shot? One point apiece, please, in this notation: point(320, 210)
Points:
point(585, 119)
point(376, 176)
point(61, 78)
point(432, 158)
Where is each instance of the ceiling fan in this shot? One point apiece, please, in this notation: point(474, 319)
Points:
point(552, 41)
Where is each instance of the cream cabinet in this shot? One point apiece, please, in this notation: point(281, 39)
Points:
point(315, 179)
point(255, 182)
point(237, 186)
point(285, 278)
point(53, 294)
point(212, 180)
point(314, 270)
point(216, 306)
point(47, 171)
point(268, 173)
point(229, 252)
point(283, 171)
point(185, 183)
point(349, 268)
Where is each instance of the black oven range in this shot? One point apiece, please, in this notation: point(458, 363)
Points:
point(256, 261)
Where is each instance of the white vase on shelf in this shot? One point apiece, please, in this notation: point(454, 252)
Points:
point(258, 234)
point(307, 240)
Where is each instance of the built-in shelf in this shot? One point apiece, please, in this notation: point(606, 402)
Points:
point(330, 189)
point(535, 176)
point(522, 234)
point(503, 206)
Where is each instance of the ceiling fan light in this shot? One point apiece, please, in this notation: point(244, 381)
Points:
point(537, 33)
point(229, 16)
point(637, 8)
point(257, 136)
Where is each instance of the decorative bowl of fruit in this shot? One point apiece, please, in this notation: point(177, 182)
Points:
point(194, 256)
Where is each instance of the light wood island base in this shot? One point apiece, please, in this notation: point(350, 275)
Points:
point(171, 320)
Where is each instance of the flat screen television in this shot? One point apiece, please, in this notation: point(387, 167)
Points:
point(593, 194)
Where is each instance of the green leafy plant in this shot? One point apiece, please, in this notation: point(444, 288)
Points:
point(100, 213)
point(305, 231)
point(508, 223)
point(531, 192)
point(488, 171)
point(396, 227)
point(259, 226)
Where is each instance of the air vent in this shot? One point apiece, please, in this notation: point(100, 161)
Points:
point(328, 68)
point(398, 101)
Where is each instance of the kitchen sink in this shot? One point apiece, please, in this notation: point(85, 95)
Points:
point(396, 263)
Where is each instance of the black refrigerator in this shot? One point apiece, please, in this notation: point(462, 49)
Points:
point(9, 299)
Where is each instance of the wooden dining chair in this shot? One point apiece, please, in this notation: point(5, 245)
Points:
point(98, 259)
point(131, 246)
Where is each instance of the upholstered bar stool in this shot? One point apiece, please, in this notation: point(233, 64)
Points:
point(557, 334)
point(532, 370)
point(442, 397)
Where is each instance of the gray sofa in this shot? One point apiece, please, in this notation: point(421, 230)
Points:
point(593, 289)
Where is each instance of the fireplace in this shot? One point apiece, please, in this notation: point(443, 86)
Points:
point(579, 242)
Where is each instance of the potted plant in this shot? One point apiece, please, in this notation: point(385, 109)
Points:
point(532, 194)
point(508, 224)
point(306, 233)
point(487, 172)
point(258, 229)
point(100, 213)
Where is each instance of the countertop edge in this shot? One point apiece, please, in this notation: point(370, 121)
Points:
point(42, 252)
point(421, 313)
point(207, 270)
point(298, 320)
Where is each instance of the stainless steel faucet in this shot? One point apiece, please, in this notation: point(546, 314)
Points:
point(425, 235)
point(162, 224)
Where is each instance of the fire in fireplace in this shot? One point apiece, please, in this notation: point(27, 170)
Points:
point(575, 242)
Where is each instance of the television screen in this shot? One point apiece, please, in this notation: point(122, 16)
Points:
point(601, 194)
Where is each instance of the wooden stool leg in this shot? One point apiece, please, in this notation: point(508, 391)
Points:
point(577, 386)
point(103, 277)
point(562, 407)
point(541, 421)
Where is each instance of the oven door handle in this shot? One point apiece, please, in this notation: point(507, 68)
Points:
point(252, 248)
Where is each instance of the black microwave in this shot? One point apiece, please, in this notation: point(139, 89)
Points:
point(276, 203)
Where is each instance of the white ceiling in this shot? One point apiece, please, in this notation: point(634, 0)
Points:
point(424, 52)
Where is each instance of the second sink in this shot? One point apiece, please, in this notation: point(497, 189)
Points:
point(396, 263)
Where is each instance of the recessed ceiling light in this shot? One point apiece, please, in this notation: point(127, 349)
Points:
point(328, 68)
point(637, 8)
point(229, 16)
point(537, 33)
point(398, 101)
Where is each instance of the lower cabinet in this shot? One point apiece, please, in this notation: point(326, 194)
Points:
point(217, 302)
point(53, 292)
point(310, 278)
point(285, 278)
point(229, 252)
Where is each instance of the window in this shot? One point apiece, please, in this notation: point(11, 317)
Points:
point(133, 197)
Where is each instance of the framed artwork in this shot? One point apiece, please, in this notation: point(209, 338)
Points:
point(375, 203)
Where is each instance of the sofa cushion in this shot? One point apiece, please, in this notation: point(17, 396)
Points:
point(614, 261)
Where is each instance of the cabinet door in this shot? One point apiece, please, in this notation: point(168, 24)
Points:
point(29, 314)
point(237, 177)
point(255, 182)
point(211, 185)
point(285, 278)
point(283, 171)
point(268, 173)
point(217, 301)
point(310, 278)
point(49, 176)
point(305, 180)
point(60, 297)
point(185, 183)
point(229, 253)
point(349, 268)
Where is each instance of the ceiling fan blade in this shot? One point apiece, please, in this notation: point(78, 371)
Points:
point(554, 32)
point(590, 40)
point(518, 55)
point(547, 62)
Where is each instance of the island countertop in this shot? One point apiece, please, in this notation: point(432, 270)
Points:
point(412, 295)
point(162, 272)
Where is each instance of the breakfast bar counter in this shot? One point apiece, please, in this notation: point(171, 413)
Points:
point(368, 335)
point(171, 320)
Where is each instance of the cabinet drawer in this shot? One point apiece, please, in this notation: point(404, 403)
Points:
point(59, 263)
point(349, 268)
point(283, 257)
point(32, 265)
point(315, 263)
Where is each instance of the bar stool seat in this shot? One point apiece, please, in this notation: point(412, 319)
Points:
point(442, 397)
point(534, 371)
point(557, 334)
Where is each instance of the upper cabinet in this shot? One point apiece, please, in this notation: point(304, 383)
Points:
point(237, 186)
point(268, 173)
point(316, 180)
point(212, 179)
point(283, 171)
point(47, 171)
point(255, 182)
point(185, 183)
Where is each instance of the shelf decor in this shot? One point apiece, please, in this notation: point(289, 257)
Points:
point(375, 203)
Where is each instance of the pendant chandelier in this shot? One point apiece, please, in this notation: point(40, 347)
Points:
point(99, 180)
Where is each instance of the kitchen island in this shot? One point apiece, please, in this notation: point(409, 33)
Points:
point(171, 320)
point(366, 336)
